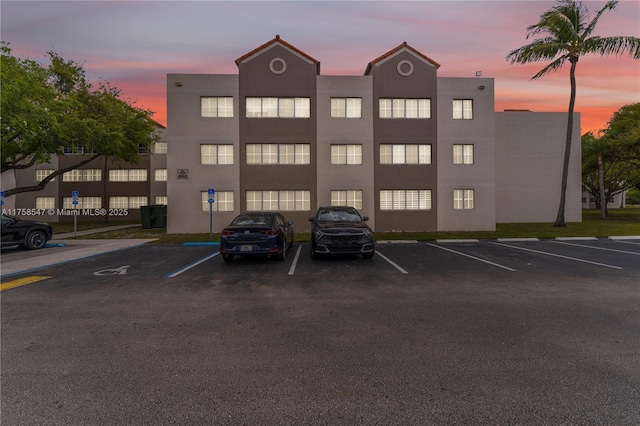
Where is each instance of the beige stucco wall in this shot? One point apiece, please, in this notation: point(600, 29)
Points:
point(529, 157)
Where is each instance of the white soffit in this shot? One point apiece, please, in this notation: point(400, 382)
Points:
point(411, 52)
point(277, 43)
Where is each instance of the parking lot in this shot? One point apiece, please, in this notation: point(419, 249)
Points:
point(462, 332)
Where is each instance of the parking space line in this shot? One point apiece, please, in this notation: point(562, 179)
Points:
point(596, 248)
point(472, 257)
point(627, 242)
point(395, 265)
point(557, 255)
point(21, 281)
point(191, 265)
point(295, 261)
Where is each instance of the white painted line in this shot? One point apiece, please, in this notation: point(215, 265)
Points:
point(576, 239)
point(395, 265)
point(631, 237)
point(557, 255)
point(628, 242)
point(397, 242)
point(472, 257)
point(191, 265)
point(516, 240)
point(597, 248)
point(295, 261)
point(457, 241)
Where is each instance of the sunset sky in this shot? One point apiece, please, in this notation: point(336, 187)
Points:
point(133, 45)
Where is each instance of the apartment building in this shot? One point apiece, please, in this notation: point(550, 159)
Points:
point(105, 189)
point(411, 150)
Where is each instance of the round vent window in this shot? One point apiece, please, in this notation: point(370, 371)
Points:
point(277, 65)
point(405, 68)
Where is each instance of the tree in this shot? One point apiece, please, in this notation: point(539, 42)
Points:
point(611, 162)
point(47, 109)
point(566, 36)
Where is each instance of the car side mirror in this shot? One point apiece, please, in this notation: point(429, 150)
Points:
point(365, 218)
point(290, 222)
point(311, 219)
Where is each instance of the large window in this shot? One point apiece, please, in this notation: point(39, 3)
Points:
point(350, 197)
point(128, 175)
point(462, 109)
point(83, 203)
point(43, 173)
point(223, 201)
point(78, 149)
point(405, 199)
point(160, 199)
point(216, 154)
point(405, 154)
point(268, 153)
point(346, 154)
point(160, 175)
point(346, 107)
point(405, 108)
point(160, 148)
point(282, 200)
point(45, 203)
point(462, 154)
point(278, 107)
point(463, 199)
point(216, 106)
point(134, 202)
point(82, 175)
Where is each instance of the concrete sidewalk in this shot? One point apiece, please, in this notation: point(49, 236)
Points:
point(63, 248)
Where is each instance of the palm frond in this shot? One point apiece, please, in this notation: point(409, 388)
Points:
point(540, 50)
point(553, 66)
point(605, 46)
point(609, 6)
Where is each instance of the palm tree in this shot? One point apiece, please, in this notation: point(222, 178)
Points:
point(566, 36)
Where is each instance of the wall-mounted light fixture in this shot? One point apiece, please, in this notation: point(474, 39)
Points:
point(481, 87)
point(178, 83)
point(478, 73)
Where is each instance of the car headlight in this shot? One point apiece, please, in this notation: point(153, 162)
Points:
point(317, 234)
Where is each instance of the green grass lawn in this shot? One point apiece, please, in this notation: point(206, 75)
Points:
point(618, 222)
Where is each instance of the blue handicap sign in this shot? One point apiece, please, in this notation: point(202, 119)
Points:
point(75, 194)
point(211, 193)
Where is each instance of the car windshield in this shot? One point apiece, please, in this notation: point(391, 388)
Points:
point(253, 219)
point(342, 215)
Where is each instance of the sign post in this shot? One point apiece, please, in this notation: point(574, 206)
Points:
point(74, 197)
point(211, 193)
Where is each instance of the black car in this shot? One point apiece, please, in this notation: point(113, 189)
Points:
point(257, 234)
point(27, 233)
point(341, 230)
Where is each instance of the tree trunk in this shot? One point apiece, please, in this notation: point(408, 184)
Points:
point(603, 196)
point(567, 149)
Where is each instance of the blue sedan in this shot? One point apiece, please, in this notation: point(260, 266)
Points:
point(267, 234)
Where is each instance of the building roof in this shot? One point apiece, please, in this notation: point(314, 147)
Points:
point(403, 47)
point(278, 41)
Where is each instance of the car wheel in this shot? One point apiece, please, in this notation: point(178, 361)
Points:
point(227, 257)
point(283, 253)
point(368, 255)
point(35, 240)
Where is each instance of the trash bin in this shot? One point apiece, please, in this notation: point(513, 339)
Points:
point(158, 216)
point(145, 216)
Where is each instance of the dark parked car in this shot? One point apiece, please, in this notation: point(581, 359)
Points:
point(257, 233)
point(27, 233)
point(340, 231)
